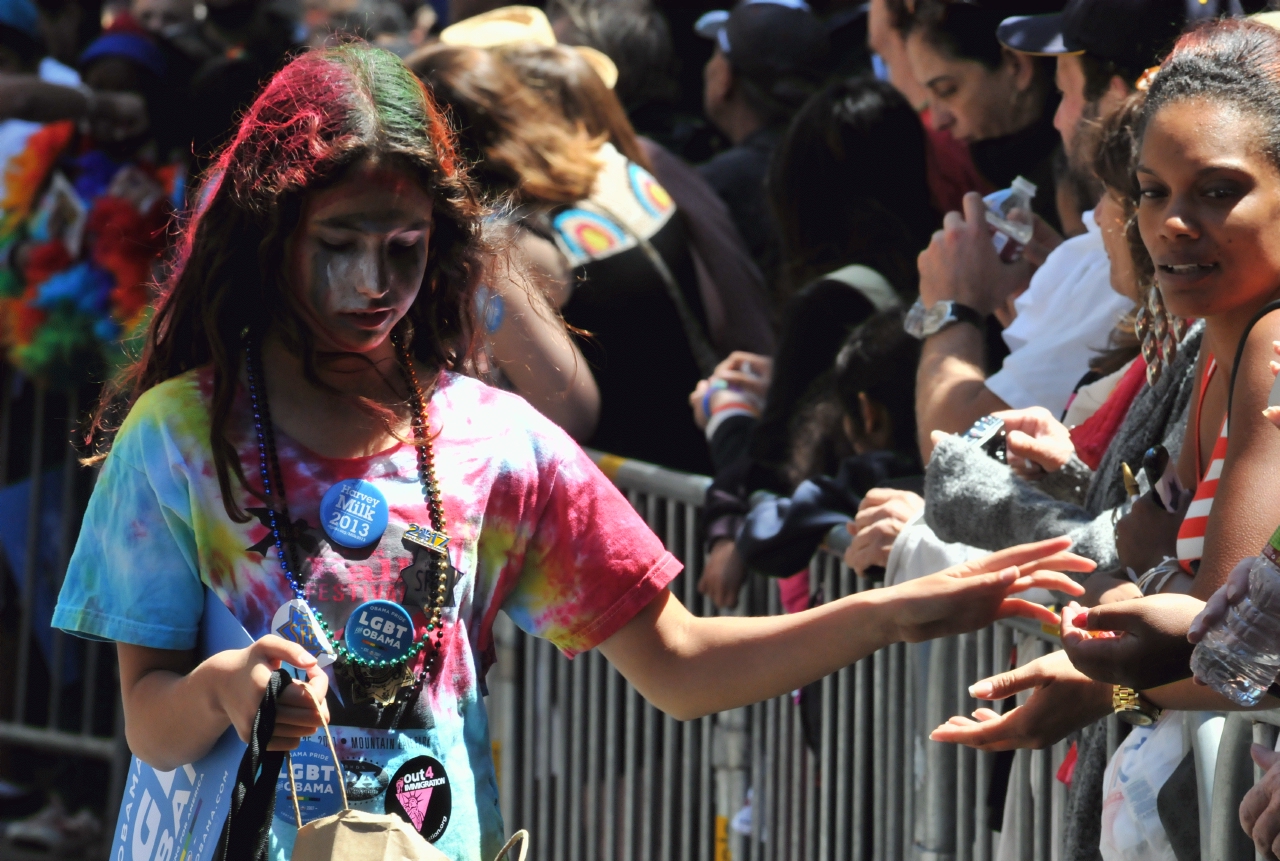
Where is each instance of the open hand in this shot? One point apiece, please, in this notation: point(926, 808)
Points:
point(1037, 442)
point(881, 517)
point(1143, 642)
point(1260, 809)
point(245, 675)
point(973, 594)
point(1062, 700)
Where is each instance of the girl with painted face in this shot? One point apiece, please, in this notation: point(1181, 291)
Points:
point(299, 444)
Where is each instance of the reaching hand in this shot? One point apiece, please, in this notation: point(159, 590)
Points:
point(972, 595)
point(1036, 441)
point(881, 516)
point(1140, 643)
point(961, 263)
point(1062, 700)
point(245, 674)
point(1260, 809)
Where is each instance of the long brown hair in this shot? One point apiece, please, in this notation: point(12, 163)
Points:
point(566, 81)
point(324, 113)
point(517, 146)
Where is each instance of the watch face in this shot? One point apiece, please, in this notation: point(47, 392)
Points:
point(913, 324)
point(1136, 718)
point(936, 317)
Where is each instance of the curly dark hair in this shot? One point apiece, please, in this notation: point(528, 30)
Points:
point(325, 113)
point(1232, 60)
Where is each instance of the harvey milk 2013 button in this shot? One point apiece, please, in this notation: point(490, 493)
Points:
point(354, 513)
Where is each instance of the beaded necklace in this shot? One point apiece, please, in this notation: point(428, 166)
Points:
point(370, 676)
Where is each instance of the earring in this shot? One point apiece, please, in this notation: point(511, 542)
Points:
point(1158, 332)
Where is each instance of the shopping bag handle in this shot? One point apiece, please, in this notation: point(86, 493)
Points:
point(342, 778)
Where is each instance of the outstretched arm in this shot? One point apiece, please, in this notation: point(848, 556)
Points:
point(690, 666)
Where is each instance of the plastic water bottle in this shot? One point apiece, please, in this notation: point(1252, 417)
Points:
point(1240, 658)
point(1009, 212)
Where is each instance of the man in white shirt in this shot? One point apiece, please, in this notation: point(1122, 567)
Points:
point(1068, 309)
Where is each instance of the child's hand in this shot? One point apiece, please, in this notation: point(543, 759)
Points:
point(242, 677)
point(972, 595)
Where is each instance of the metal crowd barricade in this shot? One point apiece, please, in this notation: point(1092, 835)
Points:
point(596, 773)
point(58, 694)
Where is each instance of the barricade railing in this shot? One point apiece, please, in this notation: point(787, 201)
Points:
point(584, 762)
point(595, 772)
point(59, 695)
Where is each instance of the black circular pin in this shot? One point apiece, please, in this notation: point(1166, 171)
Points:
point(420, 794)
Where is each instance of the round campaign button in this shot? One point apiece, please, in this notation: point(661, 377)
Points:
point(420, 793)
point(354, 513)
point(379, 631)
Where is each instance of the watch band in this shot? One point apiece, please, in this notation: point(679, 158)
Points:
point(965, 314)
point(922, 322)
point(1132, 708)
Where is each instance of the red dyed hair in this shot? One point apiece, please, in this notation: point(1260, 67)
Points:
point(324, 113)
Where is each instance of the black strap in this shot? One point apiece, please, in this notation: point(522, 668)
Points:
point(246, 836)
point(1235, 366)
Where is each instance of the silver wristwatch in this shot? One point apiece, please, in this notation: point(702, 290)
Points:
point(922, 322)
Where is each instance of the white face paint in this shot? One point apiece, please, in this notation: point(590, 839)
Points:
point(359, 257)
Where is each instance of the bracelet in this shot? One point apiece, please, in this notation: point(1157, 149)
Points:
point(712, 388)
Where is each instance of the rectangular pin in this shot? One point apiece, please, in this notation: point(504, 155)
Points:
point(434, 541)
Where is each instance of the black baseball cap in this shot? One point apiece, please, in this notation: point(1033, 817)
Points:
point(1135, 34)
point(770, 40)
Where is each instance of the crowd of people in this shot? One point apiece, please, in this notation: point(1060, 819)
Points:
point(432, 249)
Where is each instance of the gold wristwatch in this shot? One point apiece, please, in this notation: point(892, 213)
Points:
point(1132, 708)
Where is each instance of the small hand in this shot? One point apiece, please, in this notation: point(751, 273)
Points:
point(1143, 642)
point(1036, 441)
point(1062, 700)
point(973, 594)
point(1260, 809)
point(749, 371)
point(880, 520)
point(722, 575)
point(245, 674)
point(1215, 610)
point(961, 263)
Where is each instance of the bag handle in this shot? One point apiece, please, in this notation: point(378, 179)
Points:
point(523, 837)
point(247, 833)
point(342, 778)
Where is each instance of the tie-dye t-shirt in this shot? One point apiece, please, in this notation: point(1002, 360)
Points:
point(536, 529)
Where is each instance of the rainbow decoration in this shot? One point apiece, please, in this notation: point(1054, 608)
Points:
point(78, 286)
point(589, 235)
point(652, 196)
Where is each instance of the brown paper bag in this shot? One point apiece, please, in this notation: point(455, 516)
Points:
point(356, 835)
